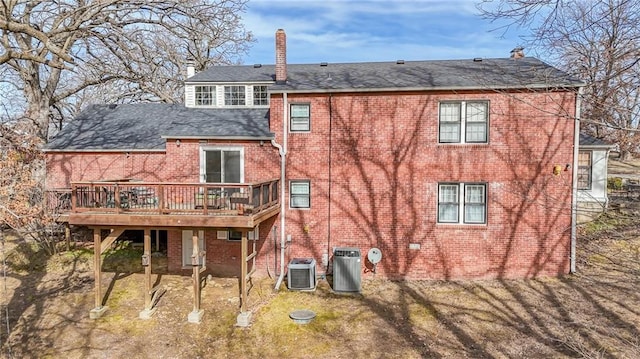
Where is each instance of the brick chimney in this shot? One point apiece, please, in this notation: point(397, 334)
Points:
point(281, 56)
point(517, 53)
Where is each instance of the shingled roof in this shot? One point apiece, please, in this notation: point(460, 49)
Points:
point(145, 126)
point(590, 141)
point(502, 73)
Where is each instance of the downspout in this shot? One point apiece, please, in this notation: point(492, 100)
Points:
point(326, 270)
point(574, 182)
point(282, 150)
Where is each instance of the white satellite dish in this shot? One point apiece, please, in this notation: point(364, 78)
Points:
point(374, 255)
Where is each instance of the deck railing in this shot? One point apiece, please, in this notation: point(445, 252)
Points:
point(164, 198)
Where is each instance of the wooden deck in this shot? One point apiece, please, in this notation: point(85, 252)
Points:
point(160, 205)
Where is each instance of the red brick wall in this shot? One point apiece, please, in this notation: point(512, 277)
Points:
point(223, 256)
point(386, 163)
point(178, 164)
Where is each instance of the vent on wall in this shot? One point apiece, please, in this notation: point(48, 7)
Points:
point(302, 274)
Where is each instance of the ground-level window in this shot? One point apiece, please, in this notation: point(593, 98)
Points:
point(300, 194)
point(584, 170)
point(462, 203)
point(232, 235)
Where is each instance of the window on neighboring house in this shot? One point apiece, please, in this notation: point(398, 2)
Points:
point(300, 117)
point(584, 170)
point(463, 122)
point(462, 203)
point(205, 95)
point(260, 96)
point(234, 96)
point(300, 194)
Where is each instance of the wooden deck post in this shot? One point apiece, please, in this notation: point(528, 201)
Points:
point(67, 235)
point(99, 309)
point(148, 310)
point(244, 318)
point(196, 315)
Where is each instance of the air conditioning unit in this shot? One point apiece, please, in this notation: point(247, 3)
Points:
point(302, 274)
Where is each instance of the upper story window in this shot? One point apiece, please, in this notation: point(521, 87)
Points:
point(463, 122)
point(300, 117)
point(300, 194)
point(584, 170)
point(234, 95)
point(462, 203)
point(260, 96)
point(205, 95)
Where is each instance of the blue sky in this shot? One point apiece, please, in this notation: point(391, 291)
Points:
point(374, 30)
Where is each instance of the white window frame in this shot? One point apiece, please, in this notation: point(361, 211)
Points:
point(464, 121)
point(291, 194)
point(203, 149)
point(299, 123)
point(257, 90)
point(588, 168)
point(463, 202)
point(235, 93)
point(198, 95)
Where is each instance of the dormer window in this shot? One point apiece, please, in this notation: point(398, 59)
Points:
point(226, 95)
point(260, 96)
point(205, 95)
point(234, 95)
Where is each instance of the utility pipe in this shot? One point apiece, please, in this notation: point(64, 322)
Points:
point(574, 182)
point(282, 150)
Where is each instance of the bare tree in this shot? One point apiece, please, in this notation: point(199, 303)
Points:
point(60, 54)
point(599, 41)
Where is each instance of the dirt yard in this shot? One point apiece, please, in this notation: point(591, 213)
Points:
point(594, 313)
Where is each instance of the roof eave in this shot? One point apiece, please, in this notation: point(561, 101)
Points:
point(411, 89)
point(227, 82)
point(227, 138)
point(112, 150)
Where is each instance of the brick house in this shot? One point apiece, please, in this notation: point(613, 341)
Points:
point(451, 169)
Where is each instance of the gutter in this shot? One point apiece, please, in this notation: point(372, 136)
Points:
point(95, 150)
point(282, 149)
point(544, 86)
point(574, 182)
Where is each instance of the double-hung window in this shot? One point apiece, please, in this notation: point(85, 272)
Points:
point(462, 203)
point(260, 96)
point(584, 170)
point(300, 117)
point(234, 96)
point(300, 194)
point(463, 122)
point(205, 95)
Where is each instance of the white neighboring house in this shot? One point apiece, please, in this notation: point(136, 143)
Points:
point(593, 156)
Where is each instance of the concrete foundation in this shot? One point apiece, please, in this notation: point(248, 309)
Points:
point(147, 313)
point(195, 316)
point(244, 319)
point(96, 313)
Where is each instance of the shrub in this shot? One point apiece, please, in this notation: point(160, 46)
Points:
point(614, 183)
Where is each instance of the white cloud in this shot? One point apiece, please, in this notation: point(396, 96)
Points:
point(348, 31)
